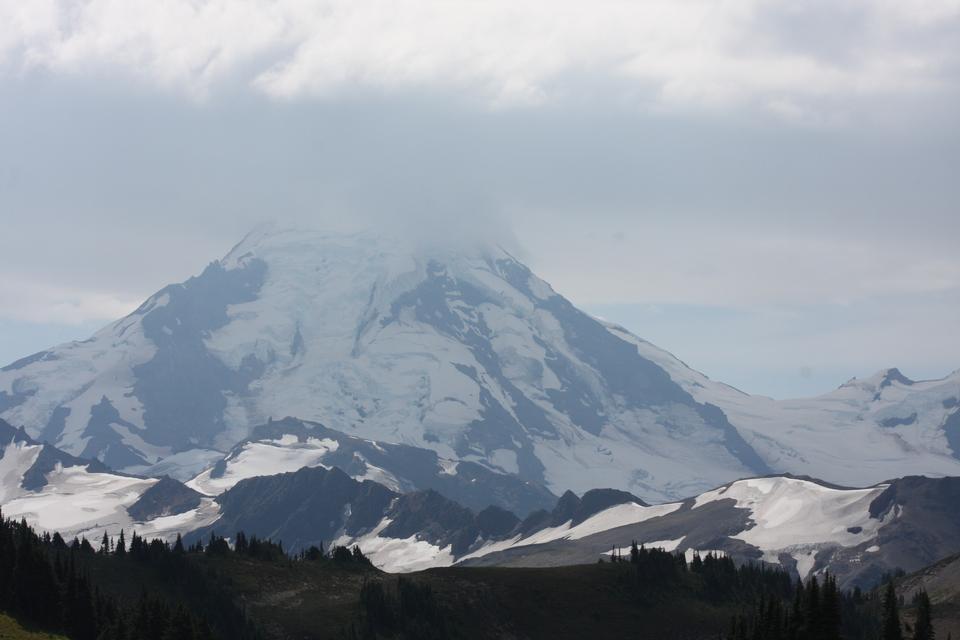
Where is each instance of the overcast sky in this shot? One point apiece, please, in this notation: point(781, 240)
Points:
point(770, 190)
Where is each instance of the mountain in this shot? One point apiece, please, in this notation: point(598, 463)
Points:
point(55, 491)
point(400, 532)
point(866, 431)
point(28, 463)
point(803, 525)
point(317, 506)
point(460, 350)
point(290, 444)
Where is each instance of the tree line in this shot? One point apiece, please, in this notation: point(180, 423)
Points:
point(71, 588)
point(818, 610)
point(775, 607)
point(45, 583)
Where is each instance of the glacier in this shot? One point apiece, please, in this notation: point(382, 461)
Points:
point(459, 350)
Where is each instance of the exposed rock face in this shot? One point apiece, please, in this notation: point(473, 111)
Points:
point(165, 498)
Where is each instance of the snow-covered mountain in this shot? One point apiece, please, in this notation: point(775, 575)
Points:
point(55, 491)
point(58, 492)
point(290, 444)
point(804, 525)
point(866, 431)
point(460, 350)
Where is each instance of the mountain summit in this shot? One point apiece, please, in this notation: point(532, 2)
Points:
point(459, 350)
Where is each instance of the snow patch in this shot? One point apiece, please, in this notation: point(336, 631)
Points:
point(399, 555)
point(17, 459)
point(665, 545)
point(264, 458)
point(805, 561)
point(618, 516)
point(689, 553)
point(448, 467)
point(799, 517)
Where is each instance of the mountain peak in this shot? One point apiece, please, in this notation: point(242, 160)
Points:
point(880, 380)
point(893, 375)
point(377, 245)
point(394, 337)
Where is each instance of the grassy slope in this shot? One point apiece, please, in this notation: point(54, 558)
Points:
point(286, 599)
point(293, 599)
point(583, 601)
point(10, 629)
point(320, 599)
point(305, 601)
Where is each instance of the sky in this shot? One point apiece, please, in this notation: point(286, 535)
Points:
point(769, 190)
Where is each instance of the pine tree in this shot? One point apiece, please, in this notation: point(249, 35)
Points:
point(179, 627)
point(696, 564)
point(797, 621)
point(891, 615)
point(121, 549)
point(7, 560)
point(830, 609)
point(813, 613)
point(241, 545)
point(923, 628)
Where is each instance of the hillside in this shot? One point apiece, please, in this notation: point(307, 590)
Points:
point(806, 526)
point(10, 629)
point(252, 590)
point(941, 581)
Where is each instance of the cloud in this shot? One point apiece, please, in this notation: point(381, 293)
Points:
point(752, 156)
point(802, 349)
point(721, 264)
point(798, 60)
point(27, 299)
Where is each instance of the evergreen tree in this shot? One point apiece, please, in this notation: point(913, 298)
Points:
point(34, 584)
point(180, 626)
point(814, 621)
point(923, 628)
point(43, 582)
point(829, 609)
point(891, 615)
point(7, 560)
point(696, 565)
point(241, 545)
point(217, 546)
